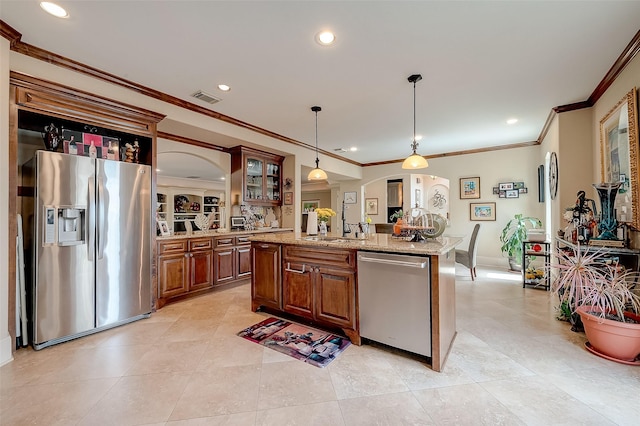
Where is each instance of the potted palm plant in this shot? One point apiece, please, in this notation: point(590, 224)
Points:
point(512, 236)
point(602, 293)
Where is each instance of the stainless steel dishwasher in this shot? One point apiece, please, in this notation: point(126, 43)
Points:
point(394, 296)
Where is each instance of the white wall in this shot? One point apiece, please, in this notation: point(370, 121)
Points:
point(5, 339)
point(509, 165)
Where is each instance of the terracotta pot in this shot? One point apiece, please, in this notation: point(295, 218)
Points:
point(616, 339)
point(397, 227)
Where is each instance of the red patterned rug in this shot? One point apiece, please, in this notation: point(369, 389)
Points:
point(307, 344)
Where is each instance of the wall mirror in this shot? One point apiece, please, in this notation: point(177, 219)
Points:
point(619, 156)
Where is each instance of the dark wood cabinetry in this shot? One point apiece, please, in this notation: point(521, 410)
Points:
point(266, 285)
point(232, 258)
point(185, 267)
point(256, 177)
point(318, 284)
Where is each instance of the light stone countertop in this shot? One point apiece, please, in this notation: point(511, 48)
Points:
point(217, 233)
point(374, 242)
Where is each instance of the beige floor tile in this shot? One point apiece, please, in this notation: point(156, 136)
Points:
point(225, 390)
point(512, 363)
point(238, 419)
point(170, 357)
point(52, 404)
point(364, 375)
point(321, 414)
point(465, 405)
point(136, 400)
point(230, 351)
point(293, 382)
point(394, 409)
point(537, 400)
point(614, 391)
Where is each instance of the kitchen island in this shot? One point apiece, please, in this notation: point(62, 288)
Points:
point(317, 280)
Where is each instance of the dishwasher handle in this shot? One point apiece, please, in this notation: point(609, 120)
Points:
point(419, 265)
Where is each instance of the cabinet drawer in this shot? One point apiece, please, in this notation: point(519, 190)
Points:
point(225, 242)
point(170, 247)
point(320, 256)
point(200, 244)
point(242, 239)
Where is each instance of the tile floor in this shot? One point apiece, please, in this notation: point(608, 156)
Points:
point(512, 363)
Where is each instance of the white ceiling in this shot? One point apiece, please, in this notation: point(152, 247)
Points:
point(482, 62)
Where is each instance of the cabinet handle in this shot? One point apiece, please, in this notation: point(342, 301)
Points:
point(296, 271)
point(186, 255)
point(264, 246)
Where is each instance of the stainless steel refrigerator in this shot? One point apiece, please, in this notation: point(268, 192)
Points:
point(89, 244)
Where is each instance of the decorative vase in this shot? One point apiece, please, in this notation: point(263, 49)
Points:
point(51, 137)
point(322, 226)
point(608, 224)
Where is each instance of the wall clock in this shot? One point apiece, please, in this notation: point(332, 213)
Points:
point(350, 197)
point(553, 176)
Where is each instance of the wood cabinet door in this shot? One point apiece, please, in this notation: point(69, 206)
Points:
point(243, 261)
point(266, 278)
point(201, 270)
point(335, 296)
point(297, 289)
point(173, 275)
point(224, 265)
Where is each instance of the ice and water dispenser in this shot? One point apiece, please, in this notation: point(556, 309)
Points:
point(65, 226)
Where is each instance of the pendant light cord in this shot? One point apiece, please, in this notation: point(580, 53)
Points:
point(415, 144)
point(316, 109)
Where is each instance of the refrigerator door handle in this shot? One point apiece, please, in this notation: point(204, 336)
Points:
point(100, 219)
point(91, 221)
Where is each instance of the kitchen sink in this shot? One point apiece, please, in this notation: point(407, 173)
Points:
point(327, 239)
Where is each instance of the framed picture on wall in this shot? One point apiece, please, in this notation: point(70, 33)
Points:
point(469, 187)
point(482, 211)
point(350, 197)
point(310, 205)
point(512, 193)
point(288, 198)
point(371, 206)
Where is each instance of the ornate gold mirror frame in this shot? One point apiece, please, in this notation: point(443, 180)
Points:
point(619, 156)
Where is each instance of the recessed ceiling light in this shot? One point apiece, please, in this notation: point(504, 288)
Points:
point(512, 121)
point(224, 87)
point(54, 9)
point(353, 149)
point(222, 178)
point(325, 38)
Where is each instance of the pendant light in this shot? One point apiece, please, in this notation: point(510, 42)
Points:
point(317, 173)
point(415, 160)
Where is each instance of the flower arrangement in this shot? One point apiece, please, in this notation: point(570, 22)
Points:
point(324, 214)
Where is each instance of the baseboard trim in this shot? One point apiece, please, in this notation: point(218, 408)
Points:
point(5, 351)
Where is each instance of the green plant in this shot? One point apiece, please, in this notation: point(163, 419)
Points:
point(514, 233)
point(586, 279)
point(398, 214)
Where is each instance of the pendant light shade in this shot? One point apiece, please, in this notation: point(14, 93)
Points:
point(415, 160)
point(317, 173)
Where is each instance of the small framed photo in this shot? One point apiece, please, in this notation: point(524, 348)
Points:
point(164, 228)
point(496, 190)
point(482, 211)
point(512, 193)
point(371, 206)
point(518, 185)
point(502, 194)
point(506, 186)
point(523, 191)
point(469, 187)
point(288, 198)
point(350, 197)
point(310, 205)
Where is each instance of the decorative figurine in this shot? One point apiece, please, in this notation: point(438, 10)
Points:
point(52, 137)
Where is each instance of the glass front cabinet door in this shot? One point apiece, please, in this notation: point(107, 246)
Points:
point(260, 174)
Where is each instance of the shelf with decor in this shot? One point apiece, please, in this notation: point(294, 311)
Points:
point(535, 274)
